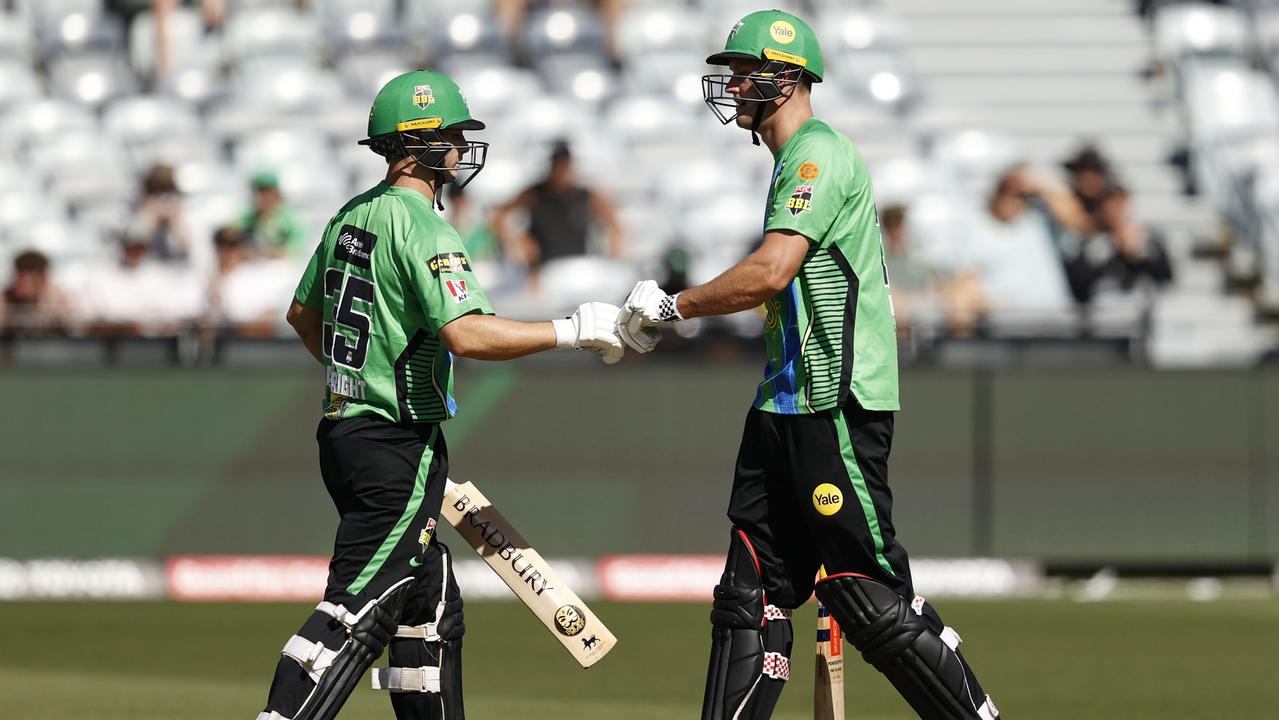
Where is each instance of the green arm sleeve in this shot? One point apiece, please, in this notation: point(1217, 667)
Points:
point(440, 274)
point(810, 189)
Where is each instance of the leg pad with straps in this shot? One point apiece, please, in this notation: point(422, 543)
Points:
point(750, 642)
point(906, 641)
point(335, 672)
point(425, 673)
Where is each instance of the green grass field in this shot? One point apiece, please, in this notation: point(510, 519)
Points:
point(1040, 659)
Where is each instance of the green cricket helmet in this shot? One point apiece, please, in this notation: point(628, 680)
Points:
point(788, 50)
point(407, 118)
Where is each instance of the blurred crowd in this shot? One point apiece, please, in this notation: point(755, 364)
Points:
point(1041, 245)
point(239, 143)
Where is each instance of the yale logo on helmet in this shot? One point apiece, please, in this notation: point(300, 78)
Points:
point(430, 123)
point(783, 32)
point(422, 96)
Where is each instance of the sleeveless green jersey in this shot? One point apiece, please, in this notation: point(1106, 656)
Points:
point(388, 274)
point(830, 333)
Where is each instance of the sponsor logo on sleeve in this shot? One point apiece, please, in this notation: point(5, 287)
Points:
point(827, 499)
point(808, 171)
point(800, 201)
point(457, 288)
point(422, 96)
point(454, 262)
point(355, 246)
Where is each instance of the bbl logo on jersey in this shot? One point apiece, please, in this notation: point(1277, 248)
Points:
point(422, 96)
point(457, 288)
point(800, 201)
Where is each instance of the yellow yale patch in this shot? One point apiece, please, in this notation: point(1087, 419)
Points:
point(783, 32)
point(430, 123)
point(827, 499)
point(791, 58)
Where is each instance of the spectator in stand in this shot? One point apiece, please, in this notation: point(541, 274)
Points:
point(1091, 180)
point(32, 305)
point(1123, 257)
point(137, 295)
point(477, 235)
point(560, 215)
point(159, 220)
point(244, 296)
point(922, 292)
point(271, 227)
point(914, 283)
point(1013, 253)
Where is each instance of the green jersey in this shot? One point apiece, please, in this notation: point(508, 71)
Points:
point(388, 275)
point(281, 229)
point(830, 333)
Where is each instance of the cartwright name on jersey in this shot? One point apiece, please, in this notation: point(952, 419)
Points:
point(340, 384)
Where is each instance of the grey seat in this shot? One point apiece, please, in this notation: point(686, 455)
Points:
point(91, 78)
point(272, 32)
point(188, 44)
point(562, 29)
point(18, 83)
point(79, 32)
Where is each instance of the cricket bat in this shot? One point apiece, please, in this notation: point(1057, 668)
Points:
point(526, 573)
point(828, 691)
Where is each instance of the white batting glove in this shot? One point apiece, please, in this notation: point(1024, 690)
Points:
point(593, 326)
point(644, 309)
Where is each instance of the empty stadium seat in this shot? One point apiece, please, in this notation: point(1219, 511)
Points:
point(287, 84)
point(80, 31)
point(357, 27)
point(1199, 29)
point(186, 39)
point(18, 83)
point(144, 118)
point(91, 79)
point(658, 27)
point(15, 38)
point(563, 29)
point(272, 32)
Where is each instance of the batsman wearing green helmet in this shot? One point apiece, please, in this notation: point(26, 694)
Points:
point(810, 487)
point(385, 304)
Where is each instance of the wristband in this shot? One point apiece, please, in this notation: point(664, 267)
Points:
point(565, 334)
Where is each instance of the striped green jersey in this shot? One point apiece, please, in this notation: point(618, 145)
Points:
point(388, 274)
point(830, 333)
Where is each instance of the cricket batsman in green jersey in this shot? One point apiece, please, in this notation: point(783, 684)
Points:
point(811, 483)
point(385, 304)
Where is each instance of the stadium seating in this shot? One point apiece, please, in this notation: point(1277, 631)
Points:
point(940, 97)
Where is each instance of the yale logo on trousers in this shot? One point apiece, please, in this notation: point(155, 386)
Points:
point(827, 499)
